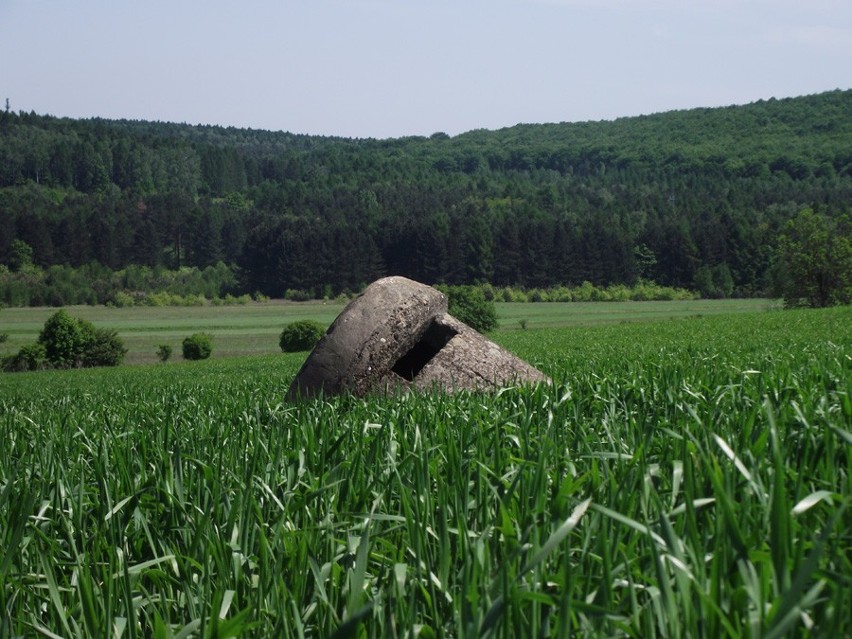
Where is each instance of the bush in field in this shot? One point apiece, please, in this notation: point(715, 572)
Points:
point(69, 342)
point(198, 346)
point(300, 336)
point(29, 358)
point(468, 304)
point(64, 340)
point(164, 352)
point(103, 347)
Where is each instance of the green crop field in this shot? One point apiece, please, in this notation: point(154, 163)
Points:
point(683, 477)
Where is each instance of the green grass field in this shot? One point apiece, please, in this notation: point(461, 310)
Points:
point(251, 329)
point(683, 477)
point(254, 329)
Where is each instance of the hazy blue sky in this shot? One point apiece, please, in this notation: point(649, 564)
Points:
point(387, 68)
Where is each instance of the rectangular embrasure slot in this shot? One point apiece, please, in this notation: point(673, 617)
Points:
point(433, 341)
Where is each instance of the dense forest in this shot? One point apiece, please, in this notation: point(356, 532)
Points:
point(690, 198)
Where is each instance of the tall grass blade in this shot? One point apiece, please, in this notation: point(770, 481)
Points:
point(797, 597)
point(806, 503)
point(557, 537)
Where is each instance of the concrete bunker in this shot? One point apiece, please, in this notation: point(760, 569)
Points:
point(396, 336)
point(436, 337)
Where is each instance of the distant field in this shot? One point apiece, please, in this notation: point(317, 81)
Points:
point(680, 478)
point(558, 314)
point(250, 329)
point(253, 329)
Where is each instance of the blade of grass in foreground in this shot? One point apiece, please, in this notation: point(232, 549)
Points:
point(557, 537)
point(791, 605)
point(493, 615)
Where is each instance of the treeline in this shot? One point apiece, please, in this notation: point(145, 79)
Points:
point(692, 199)
point(135, 285)
point(216, 285)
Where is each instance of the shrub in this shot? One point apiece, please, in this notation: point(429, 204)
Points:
point(123, 299)
point(230, 300)
point(103, 347)
point(561, 294)
point(296, 295)
point(30, 358)
point(70, 342)
point(64, 339)
point(198, 346)
point(189, 300)
point(468, 304)
point(164, 352)
point(519, 297)
point(160, 298)
point(538, 295)
point(301, 336)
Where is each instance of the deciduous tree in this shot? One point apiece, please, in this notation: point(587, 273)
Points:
point(815, 260)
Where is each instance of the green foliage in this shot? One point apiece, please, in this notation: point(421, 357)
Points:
point(468, 304)
point(302, 335)
point(815, 260)
point(64, 339)
point(31, 357)
point(164, 352)
point(69, 342)
point(197, 346)
point(642, 291)
point(60, 285)
point(714, 282)
point(20, 255)
point(103, 347)
point(295, 295)
point(533, 207)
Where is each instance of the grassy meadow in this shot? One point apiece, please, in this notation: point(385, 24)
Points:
point(253, 329)
point(685, 475)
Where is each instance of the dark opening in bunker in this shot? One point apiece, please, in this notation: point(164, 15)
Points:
point(434, 339)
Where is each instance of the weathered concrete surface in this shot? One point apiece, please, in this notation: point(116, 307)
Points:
point(470, 361)
point(397, 335)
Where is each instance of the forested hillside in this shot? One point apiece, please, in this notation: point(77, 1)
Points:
point(690, 198)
